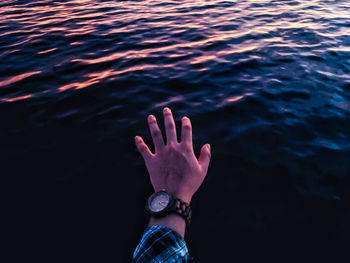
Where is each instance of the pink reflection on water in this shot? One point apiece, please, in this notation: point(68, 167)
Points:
point(232, 99)
point(18, 78)
point(167, 102)
point(78, 85)
point(17, 98)
point(96, 77)
point(47, 51)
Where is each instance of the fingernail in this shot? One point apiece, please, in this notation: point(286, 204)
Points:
point(150, 117)
point(166, 109)
point(208, 145)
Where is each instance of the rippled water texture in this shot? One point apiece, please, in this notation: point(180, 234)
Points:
point(265, 82)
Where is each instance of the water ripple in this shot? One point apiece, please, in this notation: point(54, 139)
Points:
point(282, 66)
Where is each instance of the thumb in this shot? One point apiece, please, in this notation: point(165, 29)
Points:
point(204, 157)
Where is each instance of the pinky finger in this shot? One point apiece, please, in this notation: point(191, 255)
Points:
point(143, 148)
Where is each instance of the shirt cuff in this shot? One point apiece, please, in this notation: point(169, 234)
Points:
point(160, 244)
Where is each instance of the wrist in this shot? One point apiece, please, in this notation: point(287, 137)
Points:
point(184, 198)
point(173, 221)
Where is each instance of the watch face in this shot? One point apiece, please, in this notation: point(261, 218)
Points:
point(159, 202)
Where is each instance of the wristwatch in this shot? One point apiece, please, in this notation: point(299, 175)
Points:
point(163, 203)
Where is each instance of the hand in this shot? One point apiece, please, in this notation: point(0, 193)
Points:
point(174, 166)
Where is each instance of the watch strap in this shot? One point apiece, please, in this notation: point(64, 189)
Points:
point(183, 209)
point(176, 205)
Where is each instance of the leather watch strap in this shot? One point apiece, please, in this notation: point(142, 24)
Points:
point(183, 209)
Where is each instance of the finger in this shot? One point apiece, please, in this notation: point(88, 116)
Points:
point(143, 148)
point(169, 126)
point(204, 157)
point(155, 132)
point(186, 132)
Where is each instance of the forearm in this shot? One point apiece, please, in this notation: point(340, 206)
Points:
point(173, 221)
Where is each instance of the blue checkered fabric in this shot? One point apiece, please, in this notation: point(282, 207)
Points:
point(160, 244)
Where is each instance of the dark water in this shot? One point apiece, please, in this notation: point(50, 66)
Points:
point(265, 82)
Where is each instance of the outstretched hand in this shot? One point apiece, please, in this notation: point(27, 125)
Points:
point(174, 166)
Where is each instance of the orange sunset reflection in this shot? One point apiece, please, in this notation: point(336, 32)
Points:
point(17, 98)
point(18, 78)
point(214, 30)
point(97, 77)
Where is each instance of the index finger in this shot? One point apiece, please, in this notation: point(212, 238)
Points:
point(156, 133)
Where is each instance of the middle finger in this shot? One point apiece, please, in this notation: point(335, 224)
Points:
point(169, 123)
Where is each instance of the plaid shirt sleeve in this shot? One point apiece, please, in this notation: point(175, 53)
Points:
point(160, 244)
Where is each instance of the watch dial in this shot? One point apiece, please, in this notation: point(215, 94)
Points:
point(159, 202)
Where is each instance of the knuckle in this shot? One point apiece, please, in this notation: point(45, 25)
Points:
point(152, 121)
point(140, 145)
point(172, 147)
point(143, 149)
point(188, 149)
point(167, 113)
point(186, 145)
point(170, 125)
point(156, 133)
point(187, 127)
point(208, 154)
